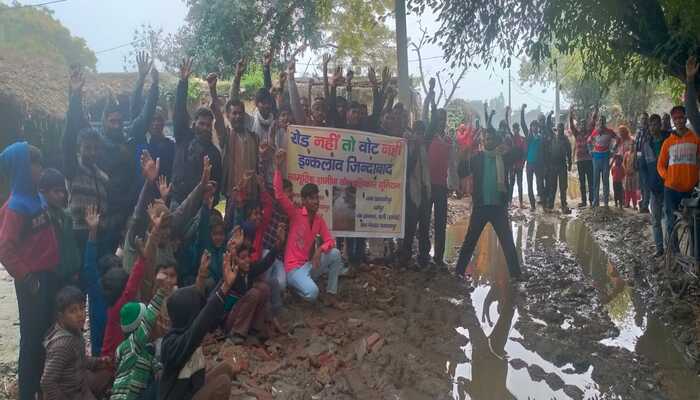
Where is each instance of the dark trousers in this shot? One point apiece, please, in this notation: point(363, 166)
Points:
point(439, 204)
point(644, 188)
point(417, 218)
point(550, 187)
point(498, 217)
point(35, 299)
point(672, 200)
point(585, 180)
point(619, 194)
point(516, 178)
point(557, 177)
point(355, 250)
point(536, 173)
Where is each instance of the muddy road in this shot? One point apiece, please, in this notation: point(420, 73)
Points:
point(575, 330)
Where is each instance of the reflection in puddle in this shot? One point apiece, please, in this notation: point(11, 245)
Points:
point(502, 368)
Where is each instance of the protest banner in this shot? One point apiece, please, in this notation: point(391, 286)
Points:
point(361, 177)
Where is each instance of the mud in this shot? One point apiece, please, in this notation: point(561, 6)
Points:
point(577, 329)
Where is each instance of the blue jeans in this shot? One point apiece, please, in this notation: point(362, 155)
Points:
point(656, 200)
point(672, 199)
point(601, 170)
point(302, 278)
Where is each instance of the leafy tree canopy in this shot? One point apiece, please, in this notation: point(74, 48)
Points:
point(647, 38)
point(35, 32)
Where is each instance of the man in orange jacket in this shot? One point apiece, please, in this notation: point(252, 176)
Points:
point(678, 164)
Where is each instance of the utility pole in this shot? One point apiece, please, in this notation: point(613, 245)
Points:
point(557, 108)
point(402, 53)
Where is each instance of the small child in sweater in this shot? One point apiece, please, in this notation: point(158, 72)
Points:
point(68, 372)
point(631, 181)
point(135, 356)
point(618, 175)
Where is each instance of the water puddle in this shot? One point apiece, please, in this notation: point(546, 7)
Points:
point(500, 365)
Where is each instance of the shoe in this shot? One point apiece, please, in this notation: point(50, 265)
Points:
point(582, 204)
point(658, 253)
point(644, 211)
point(565, 210)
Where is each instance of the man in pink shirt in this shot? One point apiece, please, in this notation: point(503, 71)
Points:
point(305, 225)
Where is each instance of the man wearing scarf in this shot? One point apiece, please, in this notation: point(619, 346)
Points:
point(29, 252)
point(490, 198)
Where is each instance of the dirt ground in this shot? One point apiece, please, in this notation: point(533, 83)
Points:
point(581, 326)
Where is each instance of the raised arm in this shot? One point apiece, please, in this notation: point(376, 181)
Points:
point(377, 101)
point(336, 79)
point(285, 203)
point(185, 212)
point(75, 121)
point(144, 65)
point(428, 100)
point(523, 123)
point(149, 254)
point(294, 100)
point(267, 73)
point(348, 85)
point(549, 125)
point(590, 126)
point(572, 124)
point(143, 120)
point(235, 93)
point(691, 95)
point(219, 123)
point(181, 118)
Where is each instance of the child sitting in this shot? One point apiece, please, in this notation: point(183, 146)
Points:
point(68, 372)
point(618, 174)
point(135, 356)
point(184, 374)
point(250, 295)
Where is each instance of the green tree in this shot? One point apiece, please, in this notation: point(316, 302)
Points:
point(34, 32)
point(617, 38)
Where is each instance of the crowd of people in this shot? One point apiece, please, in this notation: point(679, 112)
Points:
point(130, 220)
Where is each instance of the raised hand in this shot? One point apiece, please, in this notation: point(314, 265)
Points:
point(386, 77)
point(77, 78)
point(163, 187)
point(337, 79)
point(230, 272)
point(208, 195)
point(212, 78)
point(204, 264)
point(92, 218)
point(149, 167)
point(144, 63)
point(524, 107)
point(326, 60)
point(280, 158)
point(186, 69)
point(431, 85)
point(157, 216)
point(206, 171)
point(236, 239)
point(691, 67)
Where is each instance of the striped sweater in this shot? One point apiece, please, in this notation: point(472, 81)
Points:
point(135, 358)
point(86, 188)
point(66, 366)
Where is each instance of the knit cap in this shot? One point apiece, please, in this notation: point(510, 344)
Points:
point(52, 179)
point(130, 316)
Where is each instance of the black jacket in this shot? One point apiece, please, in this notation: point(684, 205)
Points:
point(190, 323)
point(190, 151)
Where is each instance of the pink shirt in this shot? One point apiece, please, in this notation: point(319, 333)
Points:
point(300, 239)
point(439, 160)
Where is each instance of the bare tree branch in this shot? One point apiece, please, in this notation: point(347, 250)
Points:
point(455, 85)
point(417, 48)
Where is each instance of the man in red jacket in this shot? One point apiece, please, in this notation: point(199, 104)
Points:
point(29, 252)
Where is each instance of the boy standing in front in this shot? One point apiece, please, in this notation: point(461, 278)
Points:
point(29, 252)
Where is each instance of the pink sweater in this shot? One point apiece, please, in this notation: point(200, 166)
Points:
point(301, 233)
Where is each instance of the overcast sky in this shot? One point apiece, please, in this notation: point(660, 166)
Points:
point(109, 24)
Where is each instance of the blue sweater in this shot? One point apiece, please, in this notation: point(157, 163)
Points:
point(97, 308)
point(533, 150)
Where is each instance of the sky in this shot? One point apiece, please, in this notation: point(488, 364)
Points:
point(109, 24)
